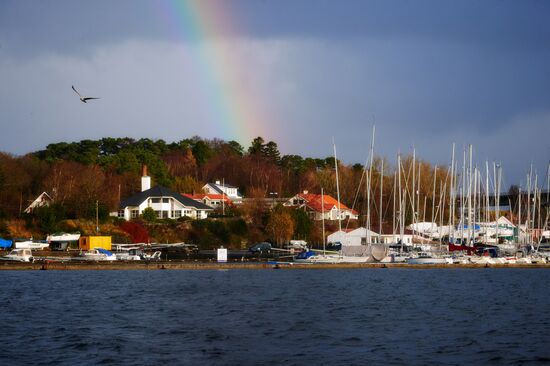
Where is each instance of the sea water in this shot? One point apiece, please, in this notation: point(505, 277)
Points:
point(271, 317)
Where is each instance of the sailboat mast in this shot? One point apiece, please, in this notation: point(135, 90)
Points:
point(323, 218)
point(486, 199)
point(400, 201)
point(337, 188)
point(394, 197)
point(469, 193)
point(381, 194)
point(519, 213)
point(463, 179)
point(433, 200)
point(413, 192)
point(418, 195)
point(452, 197)
point(369, 182)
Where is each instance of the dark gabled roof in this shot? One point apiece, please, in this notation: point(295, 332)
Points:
point(159, 191)
point(215, 187)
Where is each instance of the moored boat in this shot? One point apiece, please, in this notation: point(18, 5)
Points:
point(61, 241)
point(97, 254)
point(31, 244)
point(19, 255)
point(427, 258)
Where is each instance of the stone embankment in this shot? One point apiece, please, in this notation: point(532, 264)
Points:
point(183, 265)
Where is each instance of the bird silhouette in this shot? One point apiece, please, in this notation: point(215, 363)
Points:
point(82, 99)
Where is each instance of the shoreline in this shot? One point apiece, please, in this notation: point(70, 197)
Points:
point(181, 265)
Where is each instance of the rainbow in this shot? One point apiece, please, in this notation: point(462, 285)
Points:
point(221, 74)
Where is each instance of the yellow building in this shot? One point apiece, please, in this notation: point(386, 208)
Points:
point(92, 242)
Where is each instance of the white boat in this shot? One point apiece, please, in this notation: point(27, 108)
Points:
point(97, 254)
point(396, 257)
point(30, 244)
point(19, 255)
point(61, 241)
point(133, 254)
point(427, 258)
point(63, 237)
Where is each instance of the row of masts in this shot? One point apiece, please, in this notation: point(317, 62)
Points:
point(469, 188)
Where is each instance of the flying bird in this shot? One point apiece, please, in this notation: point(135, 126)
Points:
point(82, 99)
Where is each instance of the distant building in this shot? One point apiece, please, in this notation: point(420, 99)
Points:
point(223, 189)
point(43, 199)
point(353, 237)
point(318, 206)
point(166, 203)
point(212, 200)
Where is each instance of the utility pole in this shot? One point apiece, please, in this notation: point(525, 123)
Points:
point(223, 196)
point(97, 216)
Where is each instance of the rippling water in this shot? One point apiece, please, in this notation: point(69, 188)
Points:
point(268, 317)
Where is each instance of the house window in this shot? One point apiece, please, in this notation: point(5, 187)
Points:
point(165, 200)
point(134, 214)
point(120, 213)
point(162, 214)
point(176, 214)
point(155, 200)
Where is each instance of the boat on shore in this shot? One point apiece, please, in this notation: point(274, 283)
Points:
point(428, 258)
point(61, 241)
point(97, 254)
point(31, 244)
point(19, 255)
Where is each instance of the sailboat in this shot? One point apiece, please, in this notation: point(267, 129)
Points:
point(371, 252)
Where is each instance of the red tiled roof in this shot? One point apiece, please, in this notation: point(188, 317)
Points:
point(316, 202)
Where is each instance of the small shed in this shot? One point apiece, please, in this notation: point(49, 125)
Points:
point(92, 242)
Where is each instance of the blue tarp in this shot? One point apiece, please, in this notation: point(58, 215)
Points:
point(104, 251)
point(5, 243)
point(305, 255)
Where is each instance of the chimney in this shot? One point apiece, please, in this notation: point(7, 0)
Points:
point(145, 179)
point(218, 182)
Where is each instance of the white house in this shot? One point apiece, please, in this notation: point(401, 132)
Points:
point(321, 206)
point(43, 199)
point(212, 200)
point(353, 237)
point(166, 203)
point(223, 189)
point(396, 239)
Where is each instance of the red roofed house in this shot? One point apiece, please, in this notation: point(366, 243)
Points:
point(313, 204)
point(210, 199)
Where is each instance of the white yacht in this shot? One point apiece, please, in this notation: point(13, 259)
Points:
point(30, 244)
point(427, 258)
point(61, 241)
point(97, 254)
point(19, 255)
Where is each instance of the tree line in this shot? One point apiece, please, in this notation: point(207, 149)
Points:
point(89, 174)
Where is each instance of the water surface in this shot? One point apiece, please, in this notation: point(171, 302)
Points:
point(270, 317)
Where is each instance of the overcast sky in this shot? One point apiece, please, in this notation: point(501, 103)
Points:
point(429, 73)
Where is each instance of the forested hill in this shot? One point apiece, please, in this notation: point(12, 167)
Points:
point(79, 173)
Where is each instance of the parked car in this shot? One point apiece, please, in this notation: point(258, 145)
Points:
point(336, 246)
point(260, 248)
